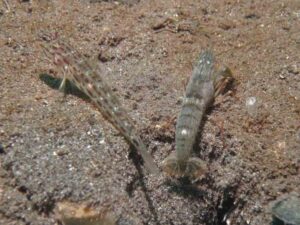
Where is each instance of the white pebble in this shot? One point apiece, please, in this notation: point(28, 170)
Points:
point(252, 106)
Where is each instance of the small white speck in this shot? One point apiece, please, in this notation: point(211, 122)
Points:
point(252, 106)
point(90, 86)
point(107, 95)
point(66, 67)
point(228, 222)
point(250, 101)
point(184, 132)
point(207, 62)
point(116, 109)
point(55, 153)
point(102, 141)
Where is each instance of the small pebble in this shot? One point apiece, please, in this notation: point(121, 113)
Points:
point(70, 213)
point(61, 152)
point(252, 106)
point(281, 77)
point(287, 209)
point(281, 145)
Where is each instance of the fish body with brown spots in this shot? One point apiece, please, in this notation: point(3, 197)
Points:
point(200, 94)
point(88, 79)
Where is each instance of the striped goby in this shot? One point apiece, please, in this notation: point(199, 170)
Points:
point(88, 79)
point(200, 94)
